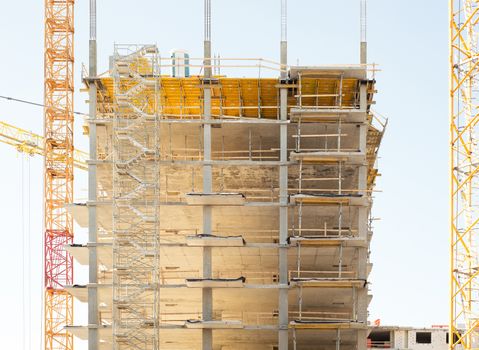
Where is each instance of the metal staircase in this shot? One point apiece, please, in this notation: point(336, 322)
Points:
point(136, 193)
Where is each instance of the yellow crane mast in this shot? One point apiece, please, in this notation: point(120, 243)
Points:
point(464, 174)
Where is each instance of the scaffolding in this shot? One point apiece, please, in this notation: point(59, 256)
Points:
point(136, 249)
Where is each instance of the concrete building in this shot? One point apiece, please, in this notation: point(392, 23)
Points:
point(393, 337)
point(228, 208)
point(237, 225)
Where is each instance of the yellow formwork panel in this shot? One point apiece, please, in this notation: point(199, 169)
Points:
point(325, 92)
point(247, 97)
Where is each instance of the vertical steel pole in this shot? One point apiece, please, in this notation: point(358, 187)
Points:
point(283, 190)
point(207, 293)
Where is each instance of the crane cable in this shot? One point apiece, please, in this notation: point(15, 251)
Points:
point(25, 203)
point(8, 98)
point(29, 261)
point(22, 208)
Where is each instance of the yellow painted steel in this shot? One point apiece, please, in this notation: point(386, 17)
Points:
point(464, 174)
point(33, 144)
point(241, 97)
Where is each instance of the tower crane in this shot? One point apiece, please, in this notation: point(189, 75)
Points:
point(58, 171)
point(464, 174)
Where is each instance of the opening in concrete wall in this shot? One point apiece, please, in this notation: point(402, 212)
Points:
point(423, 337)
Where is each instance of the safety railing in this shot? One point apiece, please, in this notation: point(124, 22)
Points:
point(320, 316)
point(179, 276)
point(241, 87)
point(379, 344)
point(255, 318)
point(318, 275)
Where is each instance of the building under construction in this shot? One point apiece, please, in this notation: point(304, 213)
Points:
point(227, 209)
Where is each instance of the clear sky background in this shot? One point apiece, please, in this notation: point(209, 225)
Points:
point(407, 38)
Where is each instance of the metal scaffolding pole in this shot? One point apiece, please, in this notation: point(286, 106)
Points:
point(283, 189)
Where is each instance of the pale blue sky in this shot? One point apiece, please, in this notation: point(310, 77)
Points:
point(407, 38)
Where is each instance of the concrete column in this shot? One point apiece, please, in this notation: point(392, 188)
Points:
point(362, 339)
point(363, 23)
point(362, 293)
point(207, 293)
point(93, 317)
point(364, 53)
point(207, 307)
point(207, 218)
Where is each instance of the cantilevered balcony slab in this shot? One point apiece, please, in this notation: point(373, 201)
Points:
point(220, 324)
point(325, 241)
point(328, 282)
point(214, 241)
point(329, 199)
point(321, 157)
point(325, 115)
point(80, 253)
point(326, 324)
point(215, 282)
point(80, 292)
point(79, 212)
point(105, 333)
point(219, 198)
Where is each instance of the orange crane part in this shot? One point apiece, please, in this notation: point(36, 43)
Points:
point(58, 171)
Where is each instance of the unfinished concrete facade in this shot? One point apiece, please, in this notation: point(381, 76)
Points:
point(394, 337)
point(232, 213)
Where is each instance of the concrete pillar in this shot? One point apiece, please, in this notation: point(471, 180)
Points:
point(207, 293)
point(362, 293)
point(207, 217)
point(93, 317)
point(363, 24)
point(362, 339)
point(364, 53)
